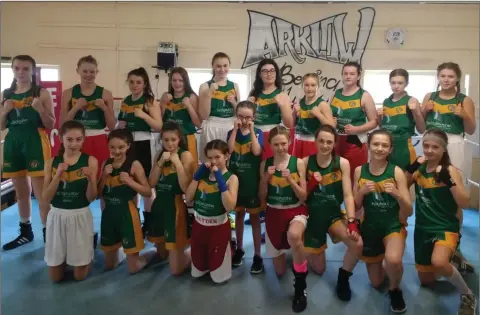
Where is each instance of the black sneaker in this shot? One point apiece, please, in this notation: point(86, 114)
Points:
point(237, 259)
point(257, 266)
point(44, 230)
point(343, 286)
point(397, 303)
point(26, 236)
point(299, 303)
point(95, 240)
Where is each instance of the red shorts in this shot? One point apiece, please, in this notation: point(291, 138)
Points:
point(211, 251)
point(97, 146)
point(304, 148)
point(277, 223)
point(267, 150)
point(356, 154)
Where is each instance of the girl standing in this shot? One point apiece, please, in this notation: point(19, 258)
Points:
point(355, 114)
point(328, 186)
point(218, 99)
point(140, 114)
point(122, 179)
point(284, 189)
point(245, 144)
point(214, 192)
point(70, 187)
point(273, 105)
point(441, 195)
point(312, 112)
point(92, 105)
point(171, 175)
point(400, 114)
point(180, 105)
point(27, 109)
point(380, 187)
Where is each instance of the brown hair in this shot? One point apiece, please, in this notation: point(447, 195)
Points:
point(219, 55)
point(445, 159)
point(66, 127)
point(399, 73)
point(357, 66)
point(87, 59)
point(311, 75)
point(458, 72)
point(36, 88)
point(147, 90)
point(217, 144)
point(246, 104)
point(258, 83)
point(333, 131)
point(384, 132)
point(278, 130)
point(186, 80)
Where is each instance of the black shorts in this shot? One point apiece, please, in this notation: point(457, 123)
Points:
point(143, 154)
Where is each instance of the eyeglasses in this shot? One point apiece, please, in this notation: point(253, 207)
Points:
point(247, 118)
point(266, 71)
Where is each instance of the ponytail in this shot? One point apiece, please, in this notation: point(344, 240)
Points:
point(125, 135)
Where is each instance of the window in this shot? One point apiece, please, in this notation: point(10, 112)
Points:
point(241, 77)
point(421, 82)
point(47, 73)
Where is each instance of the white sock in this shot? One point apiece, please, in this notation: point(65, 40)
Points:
point(25, 220)
point(457, 280)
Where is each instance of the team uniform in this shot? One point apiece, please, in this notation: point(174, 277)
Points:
point(69, 229)
point(169, 220)
point(93, 119)
point(442, 116)
point(283, 207)
point(268, 116)
point(436, 219)
point(348, 111)
point(27, 145)
point(178, 113)
point(246, 166)
point(120, 225)
point(211, 233)
point(398, 120)
point(323, 204)
point(307, 125)
point(140, 130)
point(381, 219)
point(221, 116)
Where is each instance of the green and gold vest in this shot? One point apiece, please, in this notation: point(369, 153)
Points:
point(307, 123)
point(208, 198)
point(442, 116)
point(348, 109)
point(177, 112)
point(268, 112)
point(280, 192)
point(398, 118)
point(220, 107)
point(91, 116)
point(127, 114)
point(23, 115)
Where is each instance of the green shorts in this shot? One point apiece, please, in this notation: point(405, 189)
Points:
point(169, 223)
point(374, 235)
point(425, 241)
point(25, 153)
point(121, 227)
point(251, 204)
point(403, 153)
point(318, 226)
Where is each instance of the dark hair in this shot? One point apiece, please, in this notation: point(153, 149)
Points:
point(246, 104)
point(445, 159)
point(217, 144)
point(278, 130)
point(384, 132)
point(173, 126)
point(333, 131)
point(258, 83)
point(87, 59)
point(125, 135)
point(357, 66)
point(147, 90)
point(66, 127)
point(186, 80)
point(458, 72)
point(35, 88)
point(219, 55)
point(400, 73)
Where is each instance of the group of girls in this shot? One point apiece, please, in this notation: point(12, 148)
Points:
point(301, 178)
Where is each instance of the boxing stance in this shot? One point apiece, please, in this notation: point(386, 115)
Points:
point(214, 192)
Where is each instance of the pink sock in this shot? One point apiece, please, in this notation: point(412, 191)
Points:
point(300, 267)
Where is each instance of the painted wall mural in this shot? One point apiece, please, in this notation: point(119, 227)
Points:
point(321, 47)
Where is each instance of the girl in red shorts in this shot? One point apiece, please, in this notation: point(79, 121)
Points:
point(214, 192)
point(283, 187)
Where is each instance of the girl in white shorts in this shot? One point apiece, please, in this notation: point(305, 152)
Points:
point(70, 186)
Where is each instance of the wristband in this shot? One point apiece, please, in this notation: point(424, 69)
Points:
point(411, 168)
point(444, 177)
point(200, 172)
point(312, 183)
point(353, 226)
point(222, 184)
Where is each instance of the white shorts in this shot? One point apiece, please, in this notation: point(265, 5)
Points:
point(456, 151)
point(214, 128)
point(69, 237)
